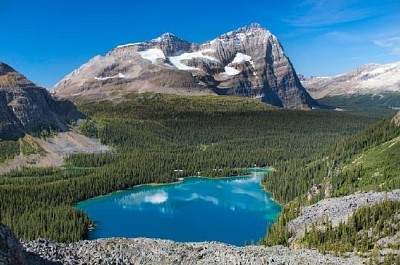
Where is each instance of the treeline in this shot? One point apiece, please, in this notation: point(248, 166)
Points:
point(157, 139)
point(8, 149)
point(379, 105)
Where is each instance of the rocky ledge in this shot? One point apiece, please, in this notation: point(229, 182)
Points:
point(337, 209)
point(152, 251)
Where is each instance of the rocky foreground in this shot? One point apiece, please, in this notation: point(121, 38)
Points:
point(151, 251)
point(155, 251)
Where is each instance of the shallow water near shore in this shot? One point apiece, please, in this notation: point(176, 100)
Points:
point(233, 210)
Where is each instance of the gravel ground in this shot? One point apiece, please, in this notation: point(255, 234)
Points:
point(152, 251)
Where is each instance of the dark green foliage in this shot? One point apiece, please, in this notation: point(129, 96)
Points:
point(368, 160)
point(45, 132)
point(89, 160)
point(155, 135)
point(329, 164)
point(371, 105)
point(61, 222)
point(8, 149)
point(359, 233)
point(278, 233)
point(89, 128)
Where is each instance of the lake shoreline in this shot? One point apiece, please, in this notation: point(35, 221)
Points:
point(181, 179)
point(239, 196)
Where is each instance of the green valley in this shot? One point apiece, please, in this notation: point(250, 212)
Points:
point(155, 134)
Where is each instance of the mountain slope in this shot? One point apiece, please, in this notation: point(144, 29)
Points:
point(336, 171)
point(25, 107)
point(248, 62)
point(368, 79)
point(352, 200)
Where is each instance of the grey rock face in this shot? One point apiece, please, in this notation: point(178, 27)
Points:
point(25, 107)
point(11, 251)
point(248, 62)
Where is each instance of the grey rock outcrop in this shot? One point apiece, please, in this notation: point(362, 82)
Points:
point(337, 209)
point(248, 62)
point(11, 251)
point(155, 251)
point(25, 107)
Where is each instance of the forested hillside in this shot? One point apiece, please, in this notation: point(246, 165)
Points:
point(378, 105)
point(156, 134)
point(366, 161)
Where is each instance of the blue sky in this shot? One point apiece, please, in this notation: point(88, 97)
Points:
point(47, 39)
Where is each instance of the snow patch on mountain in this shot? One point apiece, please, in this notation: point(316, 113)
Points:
point(181, 67)
point(241, 57)
point(119, 75)
point(177, 60)
point(231, 71)
point(152, 55)
point(128, 45)
point(368, 79)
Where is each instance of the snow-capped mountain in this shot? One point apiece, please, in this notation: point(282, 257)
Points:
point(368, 79)
point(248, 62)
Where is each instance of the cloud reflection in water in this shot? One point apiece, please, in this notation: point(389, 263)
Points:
point(232, 194)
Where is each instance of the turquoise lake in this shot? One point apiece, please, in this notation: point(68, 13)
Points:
point(232, 210)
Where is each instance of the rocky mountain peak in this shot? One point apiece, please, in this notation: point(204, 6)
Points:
point(248, 62)
point(5, 68)
point(249, 28)
point(11, 78)
point(167, 37)
point(169, 43)
point(25, 107)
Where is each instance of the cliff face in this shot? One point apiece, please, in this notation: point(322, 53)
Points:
point(25, 107)
point(248, 62)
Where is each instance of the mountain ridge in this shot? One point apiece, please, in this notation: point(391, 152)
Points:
point(368, 79)
point(247, 62)
point(25, 107)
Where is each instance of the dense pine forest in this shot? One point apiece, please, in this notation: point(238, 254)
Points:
point(378, 105)
point(153, 135)
point(366, 161)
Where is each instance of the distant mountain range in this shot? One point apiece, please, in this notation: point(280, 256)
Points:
point(26, 107)
point(248, 62)
point(368, 79)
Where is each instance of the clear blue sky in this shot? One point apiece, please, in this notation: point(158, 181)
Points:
point(47, 39)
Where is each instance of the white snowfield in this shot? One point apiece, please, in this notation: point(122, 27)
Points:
point(152, 55)
point(241, 57)
point(176, 60)
point(231, 71)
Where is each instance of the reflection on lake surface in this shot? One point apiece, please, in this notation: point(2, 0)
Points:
point(232, 210)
